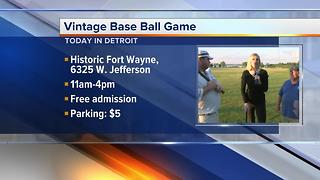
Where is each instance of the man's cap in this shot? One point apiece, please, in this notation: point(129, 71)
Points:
point(204, 54)
point(294, 67)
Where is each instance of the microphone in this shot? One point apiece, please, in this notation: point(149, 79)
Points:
point(256, 75)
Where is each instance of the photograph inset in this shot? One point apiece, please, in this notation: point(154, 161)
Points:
point(248, 84)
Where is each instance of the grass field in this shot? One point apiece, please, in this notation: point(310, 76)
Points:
point(231, 102)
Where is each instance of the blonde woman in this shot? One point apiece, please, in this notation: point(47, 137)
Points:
point(254, 83)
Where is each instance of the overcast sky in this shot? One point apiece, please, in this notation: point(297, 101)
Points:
point(237, 55)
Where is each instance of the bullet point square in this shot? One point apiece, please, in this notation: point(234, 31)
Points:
point(66, 98)
point(66, 84)
point(66, 59)
point(66, 113)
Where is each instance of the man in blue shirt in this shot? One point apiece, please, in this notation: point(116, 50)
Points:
point(288, 99)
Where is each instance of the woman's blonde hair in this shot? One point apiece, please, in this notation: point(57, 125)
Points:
point(249, 66)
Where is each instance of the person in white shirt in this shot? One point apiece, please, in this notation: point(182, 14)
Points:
point(209, 90)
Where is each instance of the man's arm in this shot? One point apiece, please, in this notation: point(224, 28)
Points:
point(211, 86)
point(279, 99)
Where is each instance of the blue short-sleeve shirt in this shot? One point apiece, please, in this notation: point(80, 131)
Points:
point(289, 94)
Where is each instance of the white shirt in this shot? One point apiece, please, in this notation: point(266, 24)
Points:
point(209, 103)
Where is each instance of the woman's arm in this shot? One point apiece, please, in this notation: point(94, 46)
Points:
point(264, 81)
point(243, 88)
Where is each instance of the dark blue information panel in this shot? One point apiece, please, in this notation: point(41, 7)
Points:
point(50, 86)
